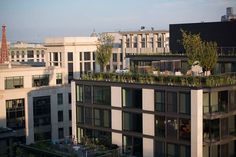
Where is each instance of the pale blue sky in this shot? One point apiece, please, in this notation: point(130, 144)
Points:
point(33, 20)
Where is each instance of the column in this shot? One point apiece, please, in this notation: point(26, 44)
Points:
point(155, 37)
point(123, 49)
point(147, 41)
point(196, 123)
point(116, 119)
point(148, 122)
point(139, 36)
point(73, 110)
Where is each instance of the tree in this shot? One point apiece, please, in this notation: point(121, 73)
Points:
point(104, 50)
point(198, 50)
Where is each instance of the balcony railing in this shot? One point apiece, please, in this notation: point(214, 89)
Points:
point(217, 108)
point(191, 81)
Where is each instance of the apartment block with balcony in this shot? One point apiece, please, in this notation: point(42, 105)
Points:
point(149, 116)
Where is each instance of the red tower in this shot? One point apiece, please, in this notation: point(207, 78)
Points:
point(4, 53)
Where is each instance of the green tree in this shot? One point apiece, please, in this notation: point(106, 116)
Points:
point(198, 50)
point(104, 50)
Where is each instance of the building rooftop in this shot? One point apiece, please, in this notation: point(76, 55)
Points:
point(165, 79)
point(17, 65)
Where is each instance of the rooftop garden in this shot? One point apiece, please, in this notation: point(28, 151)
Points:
point(171, 80)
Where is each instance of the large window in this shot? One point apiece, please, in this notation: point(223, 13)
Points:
point(160, 101)
point(160, 126)
point(102, 118)
point(132, 98)
point(184, 129)
point(102, 95)
point(133, 146)
point(14, 82)
point(172, 128)
point(132, 122)
point(15, 113)
point(40, 80)
point(114, 57)
point(184, 103)
point(42, 110)
point(79, 93)
point(232, 100)
point(171, 101)
point(87, 94)
point(159, 149)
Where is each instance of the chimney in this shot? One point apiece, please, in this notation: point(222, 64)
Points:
point(4, 53)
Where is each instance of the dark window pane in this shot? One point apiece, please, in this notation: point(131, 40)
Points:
point(102, 95)
point(184, 103)
point(171, 102)
point(70, 56)
point(160, 126)
point(160, 101)
point(132, 98)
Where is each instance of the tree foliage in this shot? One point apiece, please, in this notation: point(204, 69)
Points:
point(104, 50)
point(198, 50)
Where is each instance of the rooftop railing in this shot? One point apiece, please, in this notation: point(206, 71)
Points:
point(191, 81)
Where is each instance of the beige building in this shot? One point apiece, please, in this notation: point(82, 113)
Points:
point(35, 101)
point(26, 52)
point(136, 42)
point(75, 54)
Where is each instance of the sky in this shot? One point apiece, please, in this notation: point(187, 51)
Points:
point(35, 20)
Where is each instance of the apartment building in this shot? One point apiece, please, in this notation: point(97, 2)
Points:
point(35, 102)
point(75, 54)
point(154, 116)
point(136, 42)
point(27, 52)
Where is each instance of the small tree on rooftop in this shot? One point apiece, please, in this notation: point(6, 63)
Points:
point(104, 50)
point(198, 50)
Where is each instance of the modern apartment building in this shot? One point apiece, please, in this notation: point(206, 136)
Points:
point(35, 102)
point(157, 115)
point(75, 54)
point(27, 52)
point(137, 42)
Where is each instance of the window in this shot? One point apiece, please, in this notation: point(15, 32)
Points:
point(102, 95)
point(59, 98)
point(70, 115)
point(42, 110)
point(59, 78)
point(121, 58)
point(30, 54)
point(133, 146)
point(69, 98)
point(132, 98)
point(70, 56)
point(55, 56)
point(79, 93)
point(172, 128)
point(60, 133)
point(87, 66)
point(159, 149)
point(232, 100)
point(132, 122)
point(114, 57)
point(143, 42)
point(160, 126)
point(102, 118)
point(87, 56)
point(14, 82)
point(15, 113)
point(184, 103)
point(40, 80)
point(160, 101)
point(60, 116)
point(171, 102)
point(87, 94)
point(81, 56)
point(88, 117)
point(80, 114)
point(172, 150)
point(184, 129)
point(70, 131)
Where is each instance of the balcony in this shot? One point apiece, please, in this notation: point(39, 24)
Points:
point(170, 80)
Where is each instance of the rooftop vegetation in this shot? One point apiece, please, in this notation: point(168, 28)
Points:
point(192, 81)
